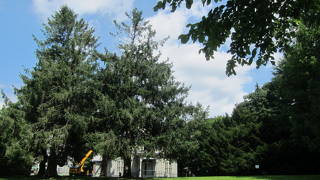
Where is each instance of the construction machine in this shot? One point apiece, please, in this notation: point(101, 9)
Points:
point(78, 169)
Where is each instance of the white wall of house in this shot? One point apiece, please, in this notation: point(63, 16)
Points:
point(115, 167)
point(166, 168)
point(96, 169)
point(136, 166)
point(63, 170)
point(142, 167)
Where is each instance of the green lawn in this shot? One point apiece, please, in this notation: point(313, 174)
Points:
point(280, 177)
point(311, 177)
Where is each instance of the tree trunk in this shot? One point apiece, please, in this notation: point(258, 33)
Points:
point(52, 165)
point(127, 167)
point(42, 165)
point(104, 165)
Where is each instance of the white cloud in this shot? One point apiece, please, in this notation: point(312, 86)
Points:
point(168, 24)
point(209, 84)
point(12, 98)
point(112, 8)
point(278, 57)
point(173, 24)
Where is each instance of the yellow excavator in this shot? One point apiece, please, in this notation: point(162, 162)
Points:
point(78, 169)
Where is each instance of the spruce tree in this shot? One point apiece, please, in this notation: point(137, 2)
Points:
point(141, 98)
point(57, 95)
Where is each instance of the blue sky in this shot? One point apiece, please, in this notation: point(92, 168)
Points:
point(209, 84)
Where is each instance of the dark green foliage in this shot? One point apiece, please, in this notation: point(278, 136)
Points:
point(57, 96)
point(229, 145)
point(299, 73)
point(257, 28)
point(141, 100)
point(298, 80)
point(183, 143)
point(15, 138)
point(276, 127)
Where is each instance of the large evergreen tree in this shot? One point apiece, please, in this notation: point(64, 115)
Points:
point(141, 99)
point(58, 93)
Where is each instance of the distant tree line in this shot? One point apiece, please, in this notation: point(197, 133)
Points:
point(77, 98)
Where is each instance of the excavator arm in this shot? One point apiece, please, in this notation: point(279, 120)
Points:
point(80, 166)
point(81, 163)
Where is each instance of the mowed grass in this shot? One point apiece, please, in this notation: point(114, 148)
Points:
point(279, 177)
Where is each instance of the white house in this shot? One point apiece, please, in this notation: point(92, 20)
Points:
point(140, 167)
